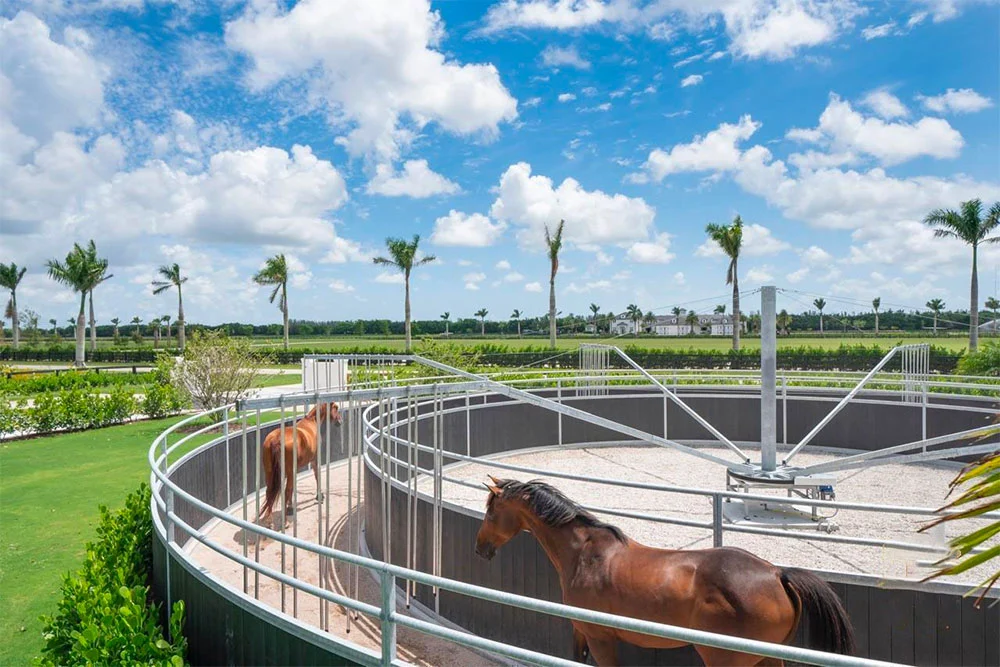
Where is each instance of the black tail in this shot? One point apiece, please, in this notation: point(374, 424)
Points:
point(272, 472)
point(828, 627)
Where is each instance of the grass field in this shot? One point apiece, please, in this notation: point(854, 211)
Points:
point(51, 489)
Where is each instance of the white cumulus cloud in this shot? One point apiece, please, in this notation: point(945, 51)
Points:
point(715, 151)
point(470, 230)
point(555, 56)
point(531, 201)
point(964, 100)
point(416, 180)
point(375, 67)
point(656, 251)
point(692, 80)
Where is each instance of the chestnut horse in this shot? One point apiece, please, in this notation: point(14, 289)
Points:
point(723, 590)
point(304, 436)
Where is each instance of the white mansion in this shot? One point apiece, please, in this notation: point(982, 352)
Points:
point(714, 324)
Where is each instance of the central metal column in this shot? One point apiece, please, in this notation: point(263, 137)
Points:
point(768, 383)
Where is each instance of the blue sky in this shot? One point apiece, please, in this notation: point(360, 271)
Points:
point(179, 131)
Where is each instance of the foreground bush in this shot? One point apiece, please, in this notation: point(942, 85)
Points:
point(984, 362)
point(105, 615)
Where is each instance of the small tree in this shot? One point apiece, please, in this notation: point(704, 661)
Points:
point(720, 309)
point(481, 314)
point(936, 306)
point(553, 244)
point(595, 311)
point(992, 304)
point(876, 302)
point(692, 320)
point(634, 313)
point(10, 278)
point(216, 370)
point(783, 321)
point(115, 322)
point(820, 305)
point(516, 316)
point(447, 321)
point(137, 330)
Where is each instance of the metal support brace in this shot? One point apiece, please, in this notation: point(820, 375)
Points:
point(388, 583)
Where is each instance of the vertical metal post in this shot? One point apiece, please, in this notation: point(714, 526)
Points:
point(170, 542)
point(768, 371)
point(923, 412)
point(225, 438)
point(716, 520)
point(468, 426)
point(784, 409)
point(282, 487)
point(388, 624)
point(352, 426)
point(243, 465)
point(321, 438)
point(295, 514)
point(559, 415)
point(256, 494)
point(665, 405)
point(409, 484)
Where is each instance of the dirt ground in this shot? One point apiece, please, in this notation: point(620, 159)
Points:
point(413, 646)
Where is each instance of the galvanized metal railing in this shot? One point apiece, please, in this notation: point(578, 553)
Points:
point(378, 432)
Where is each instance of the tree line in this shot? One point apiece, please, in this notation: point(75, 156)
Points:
point(83, 270)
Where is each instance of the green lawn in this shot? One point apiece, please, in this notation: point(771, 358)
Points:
point(49, 492)
point(279, 380)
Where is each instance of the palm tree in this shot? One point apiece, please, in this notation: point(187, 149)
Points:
point(677, 311)
point(783, 320)
point(447, 320)
point(720, 309)
point(172, 277)
point(820, 305)
point(730, 239)
point(275, 272)
point(969, 226)
point(649, 320)
point(403, 256)
point(100, 265)
point(876, 302)
point(155, 323)
point(554, 245)
point(634, 313)
point(993, 304)
point(595, 310)
point(137, 330)
point(166, 322)
point(481, 314)
point(936, 306)
point(55, 326)
point(692, 320)
point(516, 316)
point(10, 278)
point(115, 321)
point(81, 271)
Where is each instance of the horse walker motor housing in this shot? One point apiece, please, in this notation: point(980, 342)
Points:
point(779, 513)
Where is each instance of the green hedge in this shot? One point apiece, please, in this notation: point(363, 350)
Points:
point(844, 358)
point(68, 353)
point(985, 361)
point(105, 616)
point(77, 409)
point(33, 383)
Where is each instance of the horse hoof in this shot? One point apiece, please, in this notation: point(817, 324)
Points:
point(290, 511)
point(319, 497)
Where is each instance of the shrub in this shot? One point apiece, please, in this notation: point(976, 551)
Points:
point(34, 383)
point(216, 369)
point(986, 361)
point(105, 615)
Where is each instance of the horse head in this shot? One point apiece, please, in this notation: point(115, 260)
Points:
point(325, 412)
point(503, 519)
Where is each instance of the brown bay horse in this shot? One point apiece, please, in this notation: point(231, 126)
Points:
point(304, 438)
point(722, 590)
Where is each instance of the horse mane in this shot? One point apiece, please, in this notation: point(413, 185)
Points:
point(551, 506)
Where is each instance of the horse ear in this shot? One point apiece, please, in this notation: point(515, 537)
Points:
point(494, 480)
point(493, 488)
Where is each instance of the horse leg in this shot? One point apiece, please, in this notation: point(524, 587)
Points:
point(289, 484)
point(580, 650)
point(319, 489)
point(604, 651)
